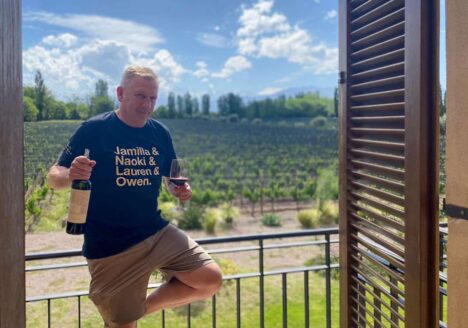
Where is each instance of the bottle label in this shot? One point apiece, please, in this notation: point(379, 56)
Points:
point(79, 200)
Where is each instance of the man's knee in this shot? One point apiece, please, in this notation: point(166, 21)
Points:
point(213, 282)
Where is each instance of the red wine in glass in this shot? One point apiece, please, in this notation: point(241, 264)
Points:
point(178, 175)
point(179, 181)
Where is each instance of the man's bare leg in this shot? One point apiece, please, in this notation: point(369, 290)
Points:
point(186, 287)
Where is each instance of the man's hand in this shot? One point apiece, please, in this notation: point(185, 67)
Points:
point(183, 192)
point(80, 168)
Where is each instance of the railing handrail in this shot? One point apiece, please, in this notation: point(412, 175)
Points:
point(201, 241)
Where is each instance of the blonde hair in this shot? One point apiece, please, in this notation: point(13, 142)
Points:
point(141, 71)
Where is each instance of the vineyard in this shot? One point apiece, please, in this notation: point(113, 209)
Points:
point(228, 162)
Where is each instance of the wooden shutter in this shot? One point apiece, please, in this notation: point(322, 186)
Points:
point(12, 283)
point(388, 163)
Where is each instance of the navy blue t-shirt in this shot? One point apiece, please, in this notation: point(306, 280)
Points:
point(130, 164)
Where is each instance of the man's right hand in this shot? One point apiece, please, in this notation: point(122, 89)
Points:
point(81, 168)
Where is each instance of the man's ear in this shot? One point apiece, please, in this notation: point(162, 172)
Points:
point(119, 93)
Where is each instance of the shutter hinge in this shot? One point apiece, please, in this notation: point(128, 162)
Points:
point(342, 78)
point(455, 211)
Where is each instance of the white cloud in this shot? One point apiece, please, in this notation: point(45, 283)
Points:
point(104, 57)
point(164, 64)
point(233, 65)
point(78, 66)
point(137, 37)
point(212, 40)
point(217, 28)
point(331, 14)
point(201, 71)
point(258, 20)
point(62, 40)
point(267, 34)
point(269, 91)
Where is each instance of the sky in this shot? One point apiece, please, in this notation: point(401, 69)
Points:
point(251, 47)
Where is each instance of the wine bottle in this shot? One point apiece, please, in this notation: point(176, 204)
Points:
point(79, 201)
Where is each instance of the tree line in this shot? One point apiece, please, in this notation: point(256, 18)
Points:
point(39, 104)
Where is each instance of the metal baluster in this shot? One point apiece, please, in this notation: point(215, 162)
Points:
point(262, 287)
point(79, 311)
point(284, 282)
point(213, 311)
point(48, 313)
point(188, 316)
point(238, 296)
point(328, 280)
point(306, 299)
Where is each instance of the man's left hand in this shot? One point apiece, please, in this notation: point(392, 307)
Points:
point(183, 192)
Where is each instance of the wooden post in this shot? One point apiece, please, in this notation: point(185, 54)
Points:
point(457, 158)
point(12, 282)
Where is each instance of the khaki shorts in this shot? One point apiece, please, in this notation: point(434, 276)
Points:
point(119, 282)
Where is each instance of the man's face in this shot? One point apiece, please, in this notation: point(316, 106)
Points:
point(137, 99)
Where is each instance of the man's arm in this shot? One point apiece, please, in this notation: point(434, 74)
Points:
point(60, 177)
point(57, 177)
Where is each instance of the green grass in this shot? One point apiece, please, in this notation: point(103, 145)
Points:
point(64, 312)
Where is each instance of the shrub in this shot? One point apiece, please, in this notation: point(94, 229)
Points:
point(257, 121)
point(318, 122)
point(210, 218)
point(169, 212)
point(329, 213)
point(233, 118)
point(191, 218)
point(320, 260)
point(228, 213)
point(309, 218)
point(271, 220)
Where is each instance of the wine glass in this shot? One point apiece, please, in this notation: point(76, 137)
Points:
point(179, 175)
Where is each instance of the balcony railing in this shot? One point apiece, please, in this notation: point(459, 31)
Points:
point(261, 245)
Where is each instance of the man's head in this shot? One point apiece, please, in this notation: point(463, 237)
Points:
point(137, 94)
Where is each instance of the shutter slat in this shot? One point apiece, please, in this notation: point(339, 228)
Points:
point(397, 187)
point(378, 37)
point(397, 42)
point(376, 216)
point(378, 131)
point(380, 169)
point(378, 119)
point(367, 6)
point(379, 143)
point(378, 230)
point(399, 93)
point(390, 57)
point(387, 306)
point(377, 12)
point(379, 84)
point(380, 72)
point(379, 205)
point(392, 258)
point(375, 238)
point(379, 24)
point(380, 107)
point(398, 200)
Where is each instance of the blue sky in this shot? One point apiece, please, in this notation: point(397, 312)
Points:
point(251, 47)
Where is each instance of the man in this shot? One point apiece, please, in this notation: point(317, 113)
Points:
point(125, 237)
